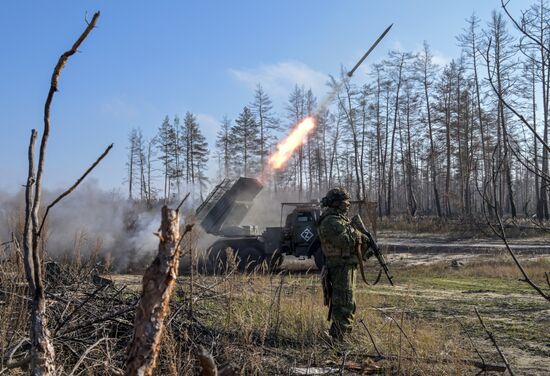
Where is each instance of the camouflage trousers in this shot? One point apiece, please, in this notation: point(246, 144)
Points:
point(342, 278)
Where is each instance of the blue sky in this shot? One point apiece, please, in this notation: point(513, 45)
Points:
point(150, 59)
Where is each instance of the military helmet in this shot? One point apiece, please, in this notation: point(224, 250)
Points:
point(335, 195)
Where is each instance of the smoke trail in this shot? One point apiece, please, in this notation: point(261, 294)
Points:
point(322, 106)
point(329, 98)
point(298, 134)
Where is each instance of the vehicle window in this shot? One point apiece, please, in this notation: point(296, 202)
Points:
point(304, 217)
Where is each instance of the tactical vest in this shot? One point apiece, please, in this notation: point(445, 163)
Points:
point(329, 250)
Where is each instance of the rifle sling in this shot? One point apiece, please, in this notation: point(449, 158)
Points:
point(360, 262)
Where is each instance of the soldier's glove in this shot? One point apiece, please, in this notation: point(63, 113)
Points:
point(366, 247)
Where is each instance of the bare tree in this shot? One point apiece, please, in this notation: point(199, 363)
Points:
point(296, 112)
point(245, 137)
point(380, 156)
point(398, 61)
point(136, 164)
point(224, 145)
point(501, 55)
point(470, 41)
point(165, 144)
point(409, 107)
point(267, 123)
point(346, 102)
point(42, 350)
point(533, 42)
point(149, 169)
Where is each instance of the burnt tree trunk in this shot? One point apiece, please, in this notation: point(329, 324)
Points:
point(157, 286)
point(432, 154)
point(447, 100)
point(501, 115)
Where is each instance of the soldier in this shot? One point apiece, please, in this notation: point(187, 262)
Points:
point(339, 242)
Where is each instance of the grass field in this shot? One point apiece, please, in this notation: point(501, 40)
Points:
point(275, 323)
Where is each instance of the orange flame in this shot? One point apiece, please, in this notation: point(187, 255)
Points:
point(286, 147)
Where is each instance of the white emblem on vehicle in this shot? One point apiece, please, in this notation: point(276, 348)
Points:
point(307, 234)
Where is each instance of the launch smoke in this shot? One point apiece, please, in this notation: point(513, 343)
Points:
point(91, 221)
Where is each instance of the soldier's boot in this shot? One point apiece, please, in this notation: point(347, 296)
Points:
point(340, 340)
point(332, 340)
point(327, 338)
point(336, 332)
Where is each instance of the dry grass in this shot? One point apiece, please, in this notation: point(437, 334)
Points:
point(14, 307)
point(461, 227)
point(277, 321)
point(497, 267)
point(268, 323)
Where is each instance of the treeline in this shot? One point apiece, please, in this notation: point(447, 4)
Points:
point(455, 139)
point(178, 154)
point(462, 138)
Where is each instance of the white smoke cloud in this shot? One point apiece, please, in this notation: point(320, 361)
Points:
point(89, 220)
point(397, 46)
point(279, 79)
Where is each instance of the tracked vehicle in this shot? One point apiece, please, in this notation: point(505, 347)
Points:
point(226, 206)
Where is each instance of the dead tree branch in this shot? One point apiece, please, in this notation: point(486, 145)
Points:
point(42, 351)
point(371, 338)
point(97, 320)
point(77, 308)
point(47, 108)
point(27, 232)
point(505, 102)
point(85, 354)
point(522, 28)
point(23, 363)
point(400, 329)
point(73, 187)
point(500, 231)
point(470, 338)
point(493, 340)
point(526, 278)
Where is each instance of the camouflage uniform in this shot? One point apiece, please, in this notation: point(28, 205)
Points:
point(338, 242)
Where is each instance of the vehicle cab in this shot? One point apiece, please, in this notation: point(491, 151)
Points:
point(299, 230)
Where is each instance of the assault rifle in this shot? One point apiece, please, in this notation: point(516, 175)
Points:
point(358, 224)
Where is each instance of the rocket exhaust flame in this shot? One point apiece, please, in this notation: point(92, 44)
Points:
point(294, 140)
point(298, 135)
